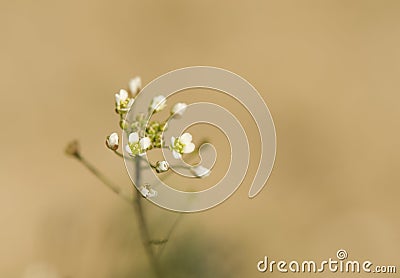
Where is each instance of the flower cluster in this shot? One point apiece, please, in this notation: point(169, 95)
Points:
point(143, 136)
point(155, 132)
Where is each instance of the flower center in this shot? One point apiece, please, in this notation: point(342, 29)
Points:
point(178, 146)
point(135, 148)
point(124, 104)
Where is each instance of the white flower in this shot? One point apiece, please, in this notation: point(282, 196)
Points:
point(121, 96)
point(200, 171)
point(158, 103)
point(112, 141)
point(162, 166)
point(137, 146)
point(147, 192)
point(122, 101)
point(181, 145)
point(178, 109)
point(135, 84)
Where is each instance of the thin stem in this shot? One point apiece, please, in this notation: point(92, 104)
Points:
point(119, 154)
point(171, 230)
point(132, 158)
point(144, 230)
point(123, 156)
point(101, 177)
point(73, 150)
point(171, 116)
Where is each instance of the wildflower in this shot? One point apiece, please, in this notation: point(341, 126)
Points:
point(181, 145)
point(158, 103)
point(147, 191)
point(137, 146)
point(162, 166)
point(200, 171)
point(178, 109)
point(123, 102)
point(135, 84)
point(112, 141)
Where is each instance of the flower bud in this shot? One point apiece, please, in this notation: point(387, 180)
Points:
point(112, 141)
point(147, 191)
point(178, 109)
point(200, 171)
point(162, 166)
point(135, 84)
point(158, 103)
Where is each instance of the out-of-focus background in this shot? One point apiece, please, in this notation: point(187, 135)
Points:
point(328, 70)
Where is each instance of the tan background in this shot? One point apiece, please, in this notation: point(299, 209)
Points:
point(328, 70)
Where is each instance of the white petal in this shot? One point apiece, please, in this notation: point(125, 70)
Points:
point(185, 138)
point(152, 193)
point(158, 103)
point(133, 138)
point(128, 149)
point(154, 103)
point(200, 171)
point(117, 99)
point(179, 108)
point(161, 106)
point(172, 141)
point(159, 99)
point(135, 84)
point(145, 143)
point(188, 148)
point(144, 191)
point(113, 139)
point(123, 94)
point(176, 154)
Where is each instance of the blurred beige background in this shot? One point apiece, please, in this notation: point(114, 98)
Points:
point(328, 70)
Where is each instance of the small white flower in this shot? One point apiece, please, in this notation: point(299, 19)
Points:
point(121, 96)
point(200, 171)
point(144, 191)
point(112, 141)
point(162, 166)
point(136, 145)
point(178, 109)
point(122, 101)
point(181, 145)
point(147, 191)
point(135, 84)
point(158, 103)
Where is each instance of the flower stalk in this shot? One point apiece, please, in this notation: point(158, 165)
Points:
point(144, 229)
point(143, 137)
